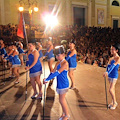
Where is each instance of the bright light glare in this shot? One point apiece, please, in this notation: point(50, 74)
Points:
point(21, 9)
point(50, 21)
point(36, 9)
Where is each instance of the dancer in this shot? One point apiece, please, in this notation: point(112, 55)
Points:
point(3, 52)
point(35, 69)
point(13, 57)
point(21, 52)
point(112, 73)
point(15, 63)
point(61, 70)
point(39, 48)
point(71, 58)
point(50, 57)
point(9, 58)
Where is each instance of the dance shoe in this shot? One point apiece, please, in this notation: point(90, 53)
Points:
point(37, 98)
point(16, 82)
point(34, 96)
point(66, 116)
point(113, 107)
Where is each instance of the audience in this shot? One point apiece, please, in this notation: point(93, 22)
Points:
point(93, 43)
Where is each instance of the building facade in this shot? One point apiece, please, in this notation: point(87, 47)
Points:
point(70, 12)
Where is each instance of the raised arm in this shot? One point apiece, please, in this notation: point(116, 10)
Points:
point(64, 66)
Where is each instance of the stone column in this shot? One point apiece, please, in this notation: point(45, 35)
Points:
point(93, 13)
point(68, 12)
point(89, 12)
point(108, 14)
point(2, 12)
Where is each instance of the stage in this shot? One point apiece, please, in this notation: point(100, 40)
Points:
point(86, 102)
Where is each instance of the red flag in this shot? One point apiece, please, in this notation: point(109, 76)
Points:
point(21, 27)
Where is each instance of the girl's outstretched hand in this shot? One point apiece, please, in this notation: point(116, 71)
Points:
point(44, 82)
point(105, 74)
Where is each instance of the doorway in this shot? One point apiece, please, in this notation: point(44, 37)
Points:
point(115, 23)
point(79, 16)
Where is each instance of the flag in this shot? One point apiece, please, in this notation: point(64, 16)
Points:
point(21, 27)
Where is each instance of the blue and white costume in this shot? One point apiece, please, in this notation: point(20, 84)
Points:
point(20, 50)
point(62, 79)
point(3, 52)
point(50, 54)
point(72, 60)
point(112, 70)
point(41, 54)
point(15, 61)
point(37, 68)
point(10, 58)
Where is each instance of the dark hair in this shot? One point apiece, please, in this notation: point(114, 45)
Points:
point(73, 41)
point(32, 40)
point(59, 50)
point(117, 47)
point(1, 38)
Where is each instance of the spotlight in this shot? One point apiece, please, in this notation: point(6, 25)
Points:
point(50, 20)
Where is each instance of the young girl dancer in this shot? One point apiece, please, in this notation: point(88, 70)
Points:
point(60, 71)
point(3, 52)
point(39, 48)
point(15, 61)
point(9, 58)
point(21, 52)
point(50, 57)
point(112, 73)
point(71, 58)
point(34, 66)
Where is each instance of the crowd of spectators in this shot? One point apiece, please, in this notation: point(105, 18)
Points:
point(92, 43)
point(8, 32)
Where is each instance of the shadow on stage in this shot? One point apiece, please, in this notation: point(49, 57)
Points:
point(37, 104)
point(6, 81)
point(84, 107)
point(83, 103)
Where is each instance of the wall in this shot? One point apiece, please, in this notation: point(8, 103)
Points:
point(9, 11)
point(101, 13)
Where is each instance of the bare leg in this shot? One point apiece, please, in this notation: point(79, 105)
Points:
point(63, 105)
point(50, 63)
point(37, 78)
point(11, 71)
point(112, 92)
point(71, 75)
point(21, 59)
point(41, 60)
point(33, 83)
point(15, 71)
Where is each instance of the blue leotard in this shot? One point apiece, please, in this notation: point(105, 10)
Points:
point(20, 50)
point(114, 72)
point(37, 67)
point(10, 58)
point(62, 79)
point(3, 51)
point(49, 54)
point(15, 61)
point(72, 60)
point(40, 53)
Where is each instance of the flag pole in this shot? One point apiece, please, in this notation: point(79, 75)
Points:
point(23, 34)
point(26, 58)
